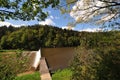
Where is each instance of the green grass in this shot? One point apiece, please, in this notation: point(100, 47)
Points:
point(34, 76)
point(62, 75)
point(8, 50)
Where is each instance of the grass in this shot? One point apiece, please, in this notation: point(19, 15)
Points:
point(8, 50)
point(34, 76)
point(14, 57)
point(59, 75)
point(62, 75)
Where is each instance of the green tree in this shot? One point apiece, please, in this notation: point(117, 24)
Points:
point(3, 30)
point(58, 40)
point(73, 41)
point(50, 38)
point(4, 43)
point(109, 68)
point(84, 64)
point(25, 9)
point(93, 11)
point(102, 63)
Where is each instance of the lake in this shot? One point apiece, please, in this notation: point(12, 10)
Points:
point(58, 58)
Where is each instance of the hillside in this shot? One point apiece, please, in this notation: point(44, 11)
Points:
point(36, 36)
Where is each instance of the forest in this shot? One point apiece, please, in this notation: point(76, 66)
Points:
point(96, 56)
point(36, 36)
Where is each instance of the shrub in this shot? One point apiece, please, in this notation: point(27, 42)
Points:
point(7, 70)
point(96, 64)
point(11, 65)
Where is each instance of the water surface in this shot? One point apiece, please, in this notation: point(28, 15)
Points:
point(58, 58)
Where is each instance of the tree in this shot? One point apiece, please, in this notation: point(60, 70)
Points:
point(4, 42)
point(96, 11)
point(84, 64)
point(25, 9)
point(96, 64)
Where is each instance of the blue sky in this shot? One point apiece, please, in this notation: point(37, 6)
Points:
point(55, 18)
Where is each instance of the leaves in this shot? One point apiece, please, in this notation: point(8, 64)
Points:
point(36, 36)
point(25, 9)
point(96, 64)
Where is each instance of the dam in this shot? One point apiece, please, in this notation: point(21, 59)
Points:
point(56, 58)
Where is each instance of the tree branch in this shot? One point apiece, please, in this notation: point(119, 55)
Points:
point(5, 11)
point(109, 2)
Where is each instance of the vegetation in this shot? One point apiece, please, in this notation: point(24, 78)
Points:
point(34, 37)
point(62, 75)
point(33, 76)
point(11, 65)
point(7, 72)
point(97, 58)
point(25, 9)
point(5, 51)
point(96, 64)
point(102, 12)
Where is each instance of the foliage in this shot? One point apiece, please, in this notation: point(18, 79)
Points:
point(98, 57)
point(25, 9)
point(11, 65)
point(100, 39)
point(62, 75)
point(33, 76)
point(6, 30)
point(34, 37)
point(93, 11)
point(84, 65)
point(3, 51)
point(109, 69)
point(101, 63)
point(22, 62)
point(7, 72)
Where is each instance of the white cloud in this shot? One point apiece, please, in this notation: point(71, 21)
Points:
point(68, 27)
point(5, 24)
point(54, 17)
point(47, 22)
point(51, 17)
point(64, 27)
point(91, 30)
point(8, 24)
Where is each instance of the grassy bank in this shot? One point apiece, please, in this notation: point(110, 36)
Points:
point(12, 63)
point(8, 50)
point(62, 75)
point(59, 75)
point(34, 76)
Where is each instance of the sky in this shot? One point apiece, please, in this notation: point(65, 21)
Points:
point(55, 18)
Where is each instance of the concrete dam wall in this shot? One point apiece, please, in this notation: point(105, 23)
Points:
point(56, 58)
